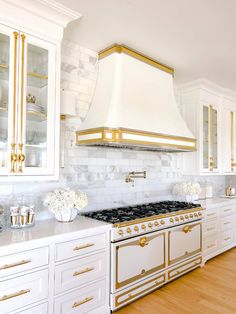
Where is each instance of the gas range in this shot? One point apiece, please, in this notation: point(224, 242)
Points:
point(135, 220)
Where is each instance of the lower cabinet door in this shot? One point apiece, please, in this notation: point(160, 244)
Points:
point(40, 309)
point(23, 290)
point(82, 300)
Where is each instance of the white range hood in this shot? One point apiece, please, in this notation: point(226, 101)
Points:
point(134, 105)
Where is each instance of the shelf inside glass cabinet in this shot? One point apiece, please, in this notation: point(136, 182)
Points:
point(4, 72)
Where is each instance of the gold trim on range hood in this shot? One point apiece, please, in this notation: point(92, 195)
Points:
point(133, 138)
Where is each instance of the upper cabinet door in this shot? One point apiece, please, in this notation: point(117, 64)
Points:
point(36, 107)
point(9, 50)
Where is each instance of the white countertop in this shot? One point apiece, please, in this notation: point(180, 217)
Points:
point(216, 202)
point(51, 228)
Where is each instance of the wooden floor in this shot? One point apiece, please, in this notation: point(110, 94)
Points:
point(207, 290)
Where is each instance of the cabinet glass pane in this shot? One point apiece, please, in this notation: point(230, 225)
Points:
point(4, 96)
point(214, 138)
point(36, 107)
point(205, 137)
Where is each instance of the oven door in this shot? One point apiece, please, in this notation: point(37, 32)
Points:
point(184, 241)
point(136, 258)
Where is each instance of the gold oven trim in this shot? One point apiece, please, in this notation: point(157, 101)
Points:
point(135, 54)
point(143, 273)
point(117, 138)
point(171, 262)
point(130, 297)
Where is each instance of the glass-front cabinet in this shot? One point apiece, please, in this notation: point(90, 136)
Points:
point(27, 104)
point(210, 138)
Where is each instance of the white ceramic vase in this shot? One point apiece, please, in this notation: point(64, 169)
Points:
point(66, 216)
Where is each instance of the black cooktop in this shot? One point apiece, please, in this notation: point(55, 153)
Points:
point(121, 214)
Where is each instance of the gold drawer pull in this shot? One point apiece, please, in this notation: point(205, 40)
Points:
point(212, 228)
point(23, 262)
point(211, 214)
point(228, 238)
point(227, 210)
point(228, 222)
point(81, 247)
point(76, 304)
point(86, 270)
point(210, 246)
point(13, 295)
point(187, 229)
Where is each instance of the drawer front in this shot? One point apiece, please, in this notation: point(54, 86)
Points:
point(210, 245)
point(210, 214)
point(227, 238)
point(227, 222)
point(82, 300)
point(40, 309)
point(184, 241)
point(79, 247)
point(184, 268)
point(227, 211)
point(84, 270)
point(24, 290)
point(23, 261)
point(209, 228)
point(140, 289)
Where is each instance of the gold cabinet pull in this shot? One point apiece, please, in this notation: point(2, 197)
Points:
point(23, 262)
point(14, 295)
point(210, 229)
point(227, 222)
point(212, 164)
point(143, 241)
point(227, 210)
point(228, 238)
point(86, 270)
point(210, 246)
point(76, 304)
point(13, 156)
point(21, 156)
point(187, 229)
point(85, 246)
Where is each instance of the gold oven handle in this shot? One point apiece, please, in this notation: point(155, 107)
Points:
point(23, 262)
point(187, 229)
point(21, 157)
point(76, 304)
point(13, 156)
point(14, 295)
point(143, 241)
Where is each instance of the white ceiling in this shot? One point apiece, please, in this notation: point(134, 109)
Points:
point(197, 38)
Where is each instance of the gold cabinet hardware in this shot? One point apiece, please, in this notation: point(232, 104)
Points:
point(228, 238)
point(21, 158)
point(187, 229)
point(76, 304)
point(227, 210)
point(211, 164)
point(210, 246)
point(120, 232)
point(23, 262)
point(227, 222)
point(85, 246)
point(233, 165)
point(143, 241)
point(13, 157)
point(211, 214)
point(210, 229)
point(14, 295)
point(86, 270)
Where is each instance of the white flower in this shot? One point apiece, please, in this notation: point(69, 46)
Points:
point(65, 199)
point(186, 188)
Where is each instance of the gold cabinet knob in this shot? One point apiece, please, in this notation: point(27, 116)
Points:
point(162, 222)
point(172, 220)
point(176, 218)
point(128, 230)
point(181, 217)
point(186, 217)
point(191, 215)
point(120, 232)
point(150, 225)
point(143, 227)
point(136, 228)
point(156, 223)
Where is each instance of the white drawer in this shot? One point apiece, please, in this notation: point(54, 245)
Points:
point(227, 211)
point(226, 238)
point(184, 268)
point(210, 245)
point(79, 247)
point(209, 214)
point(24, 290)
point(23, 261)
point(227, 222)
point(82, 300)
point(209, 228)
point(40, 309)
point(81, 271)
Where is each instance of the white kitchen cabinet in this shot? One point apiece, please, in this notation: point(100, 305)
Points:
point(201, 106)
point(30, 88)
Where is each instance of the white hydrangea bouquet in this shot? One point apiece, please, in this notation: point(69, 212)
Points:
point(65, 203)
point(187, 190)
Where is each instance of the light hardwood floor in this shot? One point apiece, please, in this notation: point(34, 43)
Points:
point(207, 290)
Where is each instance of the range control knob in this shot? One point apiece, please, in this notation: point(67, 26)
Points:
point(195, 215)
point(176, 218)
point(143, 227)
point(120, 232)
point(156, 223)
point(186, 217)
point(136, 228)
point(191, 215)
point(162, 222)
point(150, 225)
point(128, 230)
point(172, 220)
point(199, 214)
point(181, 217)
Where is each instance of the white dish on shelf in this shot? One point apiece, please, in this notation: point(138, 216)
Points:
point(225, 196)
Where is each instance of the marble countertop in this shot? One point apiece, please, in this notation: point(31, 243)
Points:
point(50, 228)
point(216, 202)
